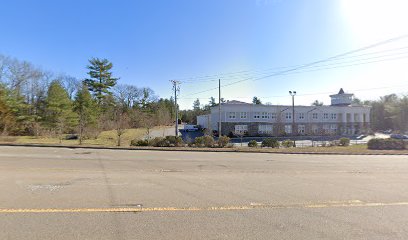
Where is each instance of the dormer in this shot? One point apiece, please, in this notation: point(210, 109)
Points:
point(342, 98)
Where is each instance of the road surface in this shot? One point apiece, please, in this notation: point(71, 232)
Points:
point(51, 193)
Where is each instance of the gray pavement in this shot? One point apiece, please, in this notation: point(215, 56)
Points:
point(196, 195)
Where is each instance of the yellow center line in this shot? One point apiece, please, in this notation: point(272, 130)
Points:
point(336, 204)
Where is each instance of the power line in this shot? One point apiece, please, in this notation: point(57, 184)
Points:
point(316, 93)
point(247, 72)
point(311, 63)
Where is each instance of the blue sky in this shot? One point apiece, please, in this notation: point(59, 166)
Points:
point(151, 42)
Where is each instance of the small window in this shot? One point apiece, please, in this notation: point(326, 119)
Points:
point(265, 115)
point(301, 116)
point(288, 115)
point(241, 129)
point(333, 128)
point(315, 129)
point(244, 115)
point(273, 115)
point(301, 129)
point(333, 116)
point(325, 116)
point(315, 115)
point(265, 129)
point(257, 115)
point(231, 115)
point(288, 129)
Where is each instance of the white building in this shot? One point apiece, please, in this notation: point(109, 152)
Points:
point(340, 118)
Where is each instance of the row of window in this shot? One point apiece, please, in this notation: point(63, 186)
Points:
point(267, 115)
point(268, 129)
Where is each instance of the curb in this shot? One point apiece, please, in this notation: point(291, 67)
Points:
point(169, 149)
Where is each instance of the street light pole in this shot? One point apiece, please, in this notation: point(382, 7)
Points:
point(293, 116)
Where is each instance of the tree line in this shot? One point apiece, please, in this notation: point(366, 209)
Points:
point(37, 102)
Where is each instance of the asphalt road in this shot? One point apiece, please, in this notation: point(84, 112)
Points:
point(50, 193)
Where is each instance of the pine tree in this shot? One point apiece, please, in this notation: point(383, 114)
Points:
point(256, 100)
point(101, 79)
point(59, 114)
point(86, 109)
point(196, 105)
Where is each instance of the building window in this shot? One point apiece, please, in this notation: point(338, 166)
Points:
point(326, 128)
point(273, 115)
point(315, 129)
point(265, 129)
point(301, 129)
point(288, 115)
point(265, 115)
point(257, 115)
point(244, 115)
point(333, 116)
point(315, 115)
point(288, 129)
point(301, 116)
point(325, 116)
point(231, 115)
point(333, 128)
point(241, 129)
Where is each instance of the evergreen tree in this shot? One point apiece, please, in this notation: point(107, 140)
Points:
point(317, 103)
point(196, 105)
point(256, 100)
point(101, 79)
point(59, 114)
point(86, 109)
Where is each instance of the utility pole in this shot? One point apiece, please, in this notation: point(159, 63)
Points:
point(219, 107)
point(176, 88)
point(293, 116)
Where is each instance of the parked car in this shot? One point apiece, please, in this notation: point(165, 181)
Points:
point(189, 128)
point(361, 137)
point(399, 136)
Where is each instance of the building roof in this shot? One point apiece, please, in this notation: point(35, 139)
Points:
point(341, 91)
point(235, 102)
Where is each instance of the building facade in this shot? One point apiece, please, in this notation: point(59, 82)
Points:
point(339, 118)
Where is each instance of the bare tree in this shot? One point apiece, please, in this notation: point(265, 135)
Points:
point(121, 123)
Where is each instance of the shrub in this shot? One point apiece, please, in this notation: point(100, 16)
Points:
point(199, 141)
point(253, 143)
point(168, 141)
point(208, 141)
point(205, 141)
point(223, 141)
point(287, 143)
point(173, 141)
point(143, 143)
point(270, 142)
point(386, 144)
point(344, 142)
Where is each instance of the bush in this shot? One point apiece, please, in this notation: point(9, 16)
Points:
point(174, 141)
point(168, 141)
point(223, 141)
point(253, 143)
point(386, 144)
point(344, 142)
point(270, 142)
point(287, 143)
point(199, 141)
point(205, 141)
point(139, 143)
point(209, 141)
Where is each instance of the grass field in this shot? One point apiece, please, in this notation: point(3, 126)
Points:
point(105, 138)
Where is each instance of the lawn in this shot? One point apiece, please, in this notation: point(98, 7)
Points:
point(105, 138)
